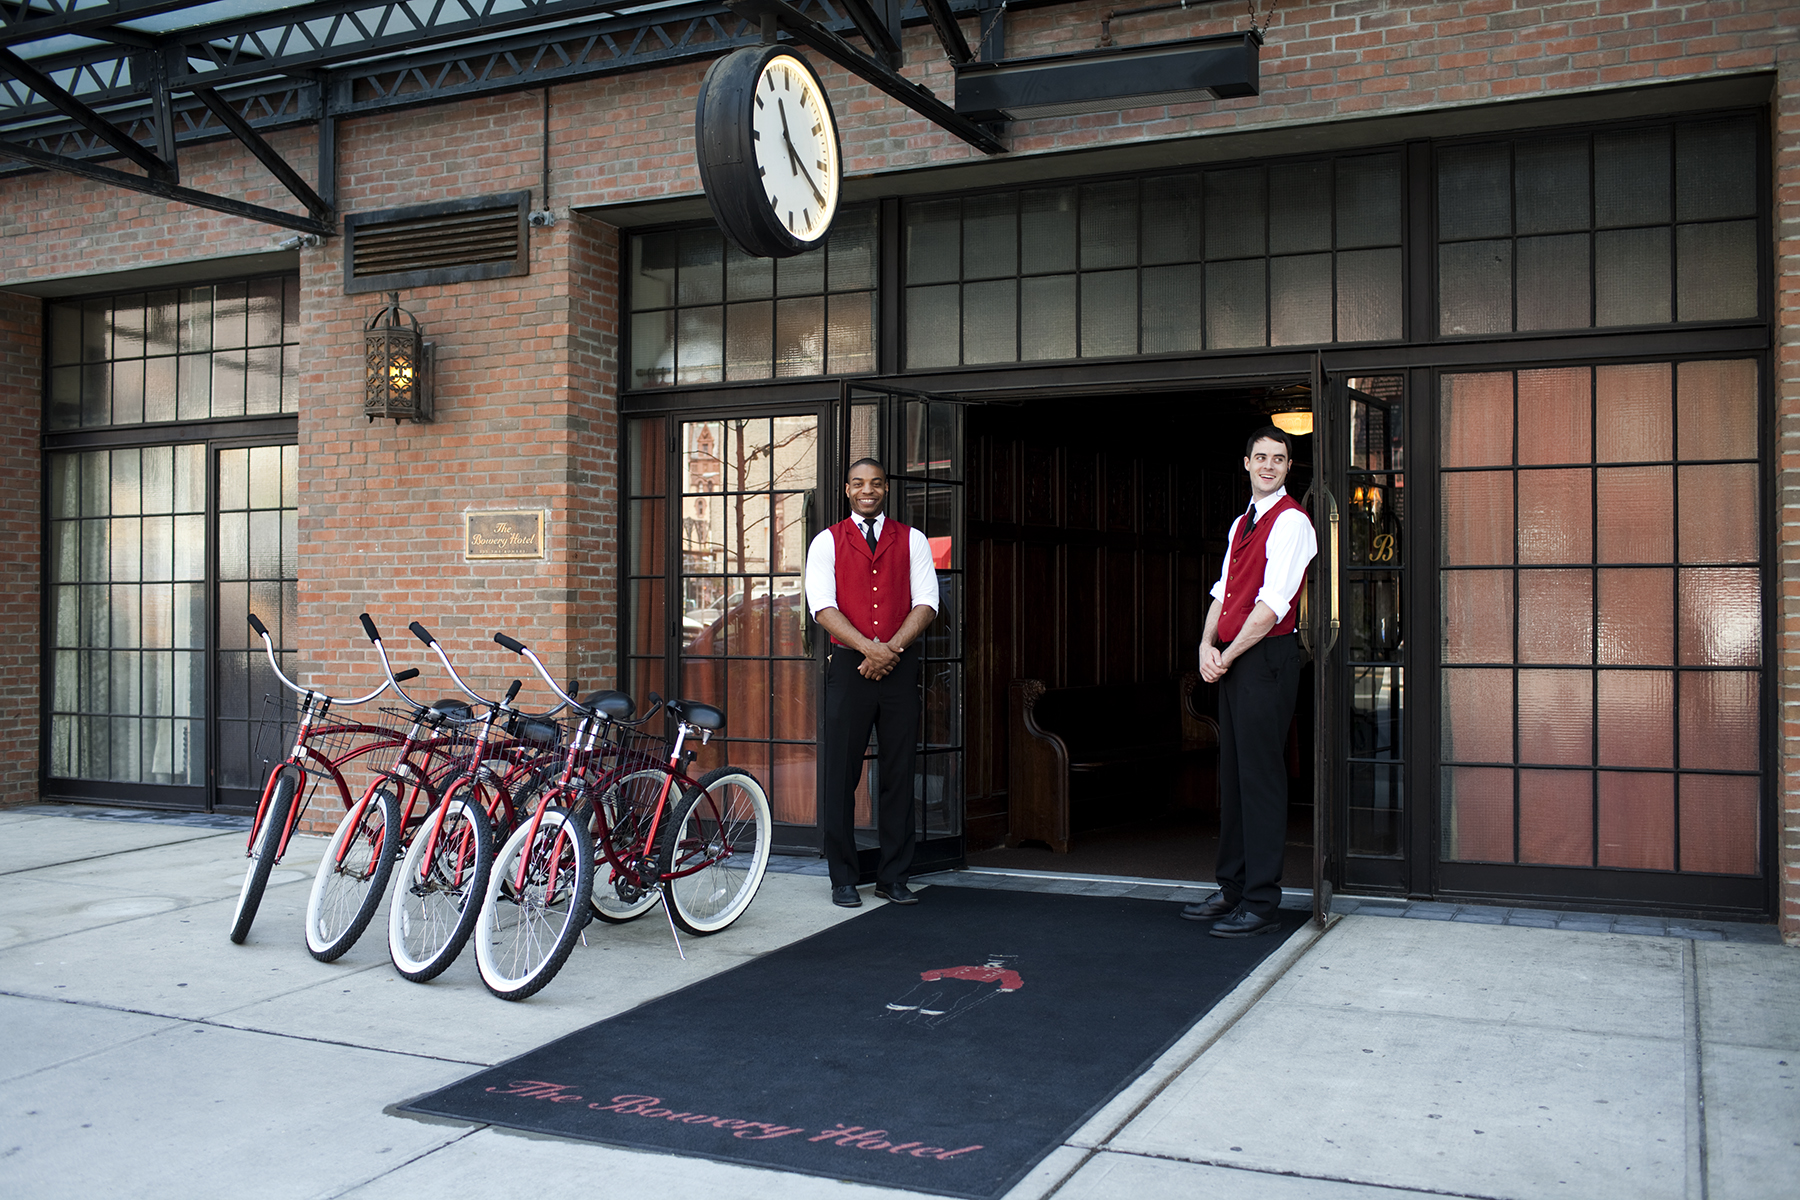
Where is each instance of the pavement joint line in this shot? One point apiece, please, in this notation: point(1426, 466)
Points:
point(1404, 1189)
point(216, 1024)
point(1695, 1029)
point(401, 1166)
point(1088, 1154)
point(115, 853)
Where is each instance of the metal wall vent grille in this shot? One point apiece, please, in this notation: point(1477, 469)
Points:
point(452, 241)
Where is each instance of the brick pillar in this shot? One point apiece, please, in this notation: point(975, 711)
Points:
point(595, 507)
point(21, 532)
point(1785, 647)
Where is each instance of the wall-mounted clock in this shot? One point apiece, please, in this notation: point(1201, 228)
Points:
point(768, 149)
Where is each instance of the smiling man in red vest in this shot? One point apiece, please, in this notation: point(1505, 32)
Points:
point(871, 585)
point(1250, 651)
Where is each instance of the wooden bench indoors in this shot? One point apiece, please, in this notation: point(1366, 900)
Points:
point(1068, 743)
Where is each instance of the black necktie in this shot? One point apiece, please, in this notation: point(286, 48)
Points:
point(869, 528)
point(1249, 523)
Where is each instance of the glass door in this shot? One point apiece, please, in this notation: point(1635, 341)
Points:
point(919, 439)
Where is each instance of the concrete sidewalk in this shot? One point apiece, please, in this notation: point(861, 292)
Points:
point(144, 1055)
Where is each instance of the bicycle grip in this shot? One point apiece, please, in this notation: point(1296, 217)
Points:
point(422, 633)
point(256, 624)
point(409, 673)
point(369, 628)
point(574, 688)
point(513, 691)
point(513, 644)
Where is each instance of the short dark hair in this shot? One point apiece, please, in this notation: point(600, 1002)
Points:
point(873, 462)
point(1270, 433)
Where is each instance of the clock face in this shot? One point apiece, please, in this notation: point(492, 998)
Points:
point(795, 147)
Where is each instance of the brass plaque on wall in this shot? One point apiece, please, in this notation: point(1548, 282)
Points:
point(504, 534)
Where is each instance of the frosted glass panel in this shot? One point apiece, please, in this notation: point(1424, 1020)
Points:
point(1556, 617)
point(1554, 418)
point(1637, 821)
point(1171, 219)
point(1299, 207)
point(1048, 330)
point(1636, 718)
point(1718, 513)
point(1715, 271)
point(1475, 288)
point(1234, 213)
point(1478, 814)
point(702, 276)
point(1047, 231)
point(850, 333)
point(1715, 169)
point(1477, 616)
point(1556, 717)
point(1553, 282)
point(1556, 817)
point(1477, 417)
point(1236, 304)
point(932, 241)
point(1300, 300)
point(1631, 277)
point(1477, 722)
point(1368, 296)
point(1474, 187)
point(1109, 213)
point(1719, 720)
point(1633, 412)
point(990, 235)
point(800, 336)
point(1477, 511)
point(1109, 316)
point(1368, 201)
point(1634, 514)
point(1716, 409)
point(749, 334)
point(1631, 178)
point(1550, 185)
point(1555, 515)
point(1637, 621)
point(1171, 318)
point(990, 321)
point(748, 278)
point(852, 250)
point(1720, 618)
point(933, 319)
point(1719, 827)
point(652, 348)
point(699, 355)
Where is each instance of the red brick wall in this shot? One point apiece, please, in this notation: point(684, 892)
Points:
point(21, 532)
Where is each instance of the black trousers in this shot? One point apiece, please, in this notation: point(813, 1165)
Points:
point(1256, 706)
point(853, 707)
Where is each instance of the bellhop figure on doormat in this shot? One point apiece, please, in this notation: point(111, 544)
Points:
point(1250, 651)
point(871, 585)
point(943, 994)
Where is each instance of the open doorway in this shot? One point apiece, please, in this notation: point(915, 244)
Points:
point(1096, 529)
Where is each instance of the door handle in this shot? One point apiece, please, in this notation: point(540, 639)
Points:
point(806, 620)
point(1336, 571)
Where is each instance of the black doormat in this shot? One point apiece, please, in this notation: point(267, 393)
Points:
point(944, 1048)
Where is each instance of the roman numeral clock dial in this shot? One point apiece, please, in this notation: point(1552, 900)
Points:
point(767, 145)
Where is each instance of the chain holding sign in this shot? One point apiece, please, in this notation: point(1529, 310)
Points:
point(514, 534)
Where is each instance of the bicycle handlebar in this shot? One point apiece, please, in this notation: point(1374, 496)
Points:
point(568, 697)
point(369, 628)
point(262, 631)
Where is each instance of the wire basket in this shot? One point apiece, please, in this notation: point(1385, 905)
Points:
point(357, 750)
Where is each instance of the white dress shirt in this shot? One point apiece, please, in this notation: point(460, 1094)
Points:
point(821, 568)
point(1291, 545)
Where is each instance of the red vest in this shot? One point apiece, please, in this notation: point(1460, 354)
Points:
point(874, 591)
point(1244, 576)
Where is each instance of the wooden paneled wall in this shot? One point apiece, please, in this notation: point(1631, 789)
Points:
point(1093, 542)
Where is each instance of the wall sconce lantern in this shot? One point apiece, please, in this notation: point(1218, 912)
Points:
point(399, 366)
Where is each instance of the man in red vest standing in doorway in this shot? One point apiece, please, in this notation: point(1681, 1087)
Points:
point(1250, 651)
point(871, 585)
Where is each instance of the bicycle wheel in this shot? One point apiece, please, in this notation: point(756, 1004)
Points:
point(438, 896)
point(716, 850)
point(619, 823)
point(526, 932)
point(262, 854)
point(353, 875)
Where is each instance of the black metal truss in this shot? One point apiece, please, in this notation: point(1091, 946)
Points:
point(118, 81)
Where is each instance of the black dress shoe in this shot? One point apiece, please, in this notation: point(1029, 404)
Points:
point(1244, 923)
point(1209, 910)
point(896, 893)
point(846, 897)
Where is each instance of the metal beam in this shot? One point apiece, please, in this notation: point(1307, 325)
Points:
point(166, 191)
point(915, 96)
point(950, 34)
point(266, 154)
point(90, 120)
point(883, 40)
point(34, 20)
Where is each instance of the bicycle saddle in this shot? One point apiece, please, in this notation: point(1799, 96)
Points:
point(702, 716)
point(613, 705)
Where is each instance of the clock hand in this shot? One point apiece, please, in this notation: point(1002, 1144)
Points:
point(794, 160)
